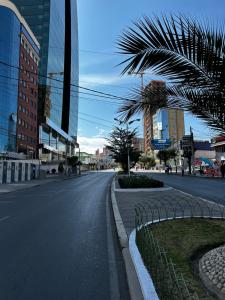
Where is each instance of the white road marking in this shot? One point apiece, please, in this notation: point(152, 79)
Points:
point(4, 218)
point(203, 199)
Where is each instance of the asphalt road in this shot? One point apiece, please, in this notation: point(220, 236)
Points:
point(58, 241)
point(212, 189)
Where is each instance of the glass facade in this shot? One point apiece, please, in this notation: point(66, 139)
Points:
point(74, 72)
point(160, 124)
point(9, 54)
point(47, 20)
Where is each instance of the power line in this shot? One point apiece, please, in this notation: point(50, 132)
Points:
point(54, 92)
point(74, 85)
point(90, 121)
point(60, 88)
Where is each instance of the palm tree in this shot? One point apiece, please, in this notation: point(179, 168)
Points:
point(189, 55)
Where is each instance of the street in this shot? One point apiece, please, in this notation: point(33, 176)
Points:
point(208, 188)
point(58, 241)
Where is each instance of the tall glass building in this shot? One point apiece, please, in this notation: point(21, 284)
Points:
point(13, 31)
point(54, 23)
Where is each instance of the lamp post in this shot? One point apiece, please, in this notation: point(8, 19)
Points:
point(128, 147)
point(79, 161)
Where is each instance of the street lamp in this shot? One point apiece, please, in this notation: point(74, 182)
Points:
point(128, 147)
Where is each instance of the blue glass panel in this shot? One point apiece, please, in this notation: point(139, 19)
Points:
point(9, 53)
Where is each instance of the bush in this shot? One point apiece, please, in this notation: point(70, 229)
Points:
point(139, 182)
point(53, 171)
point(124, 173)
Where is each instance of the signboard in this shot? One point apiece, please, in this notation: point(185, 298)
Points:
point(187, 141)
point(160, 144)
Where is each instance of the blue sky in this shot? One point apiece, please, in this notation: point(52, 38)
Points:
point(100, 24)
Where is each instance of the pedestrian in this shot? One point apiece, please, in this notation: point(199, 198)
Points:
point(182, 170)
point(222, 169)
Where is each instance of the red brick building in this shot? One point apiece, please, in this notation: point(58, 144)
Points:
point(27, 124)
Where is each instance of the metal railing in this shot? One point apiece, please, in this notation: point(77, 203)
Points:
point(168, 280)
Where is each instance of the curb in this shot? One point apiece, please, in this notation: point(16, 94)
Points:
point(132, 278)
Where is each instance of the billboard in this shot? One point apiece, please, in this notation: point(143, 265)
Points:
point(160, 144)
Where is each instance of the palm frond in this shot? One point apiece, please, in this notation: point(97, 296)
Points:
point(189, 55)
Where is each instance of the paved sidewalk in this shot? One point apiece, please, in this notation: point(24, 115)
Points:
point(163, 204)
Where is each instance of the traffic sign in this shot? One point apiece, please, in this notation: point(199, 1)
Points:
point(160, 144)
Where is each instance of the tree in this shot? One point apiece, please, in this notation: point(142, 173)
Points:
point(120, 142)
point(190, 56)
point(147, 161)
point(72, 161)
point(165, 155)
point(60, 167)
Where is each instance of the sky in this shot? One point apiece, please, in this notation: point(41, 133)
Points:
point(100, 23)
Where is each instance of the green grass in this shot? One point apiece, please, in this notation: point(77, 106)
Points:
point(139, 182)
point(185, 241)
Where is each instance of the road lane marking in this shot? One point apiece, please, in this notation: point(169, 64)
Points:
point(4, 218)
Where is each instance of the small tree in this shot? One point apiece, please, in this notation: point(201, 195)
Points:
point(120, 143)
point(73, 162)
point(61, 167)
point(147, 161)
point(166, 154)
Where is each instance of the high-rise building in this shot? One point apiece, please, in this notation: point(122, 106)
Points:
point(54, 23)
point(19, 57)
point(166, 123)
point(138, 144)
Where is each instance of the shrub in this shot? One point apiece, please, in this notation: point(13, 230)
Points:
point(124, 173)
point(139, 182)
point(53, 171)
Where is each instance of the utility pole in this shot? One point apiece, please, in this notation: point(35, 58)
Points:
point(128, 152)
point(192, 149)
point(79, 161)
point(66, 164)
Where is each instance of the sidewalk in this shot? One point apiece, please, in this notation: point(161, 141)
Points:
point(162, 204)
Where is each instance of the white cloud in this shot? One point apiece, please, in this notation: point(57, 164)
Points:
point(92, 80)
point(101, 132)
point(91, 144)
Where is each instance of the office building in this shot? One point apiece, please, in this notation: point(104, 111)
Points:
point(54, 23)
point(156, 86)
point(138, 144)
point(218, 144)
point(166, 123)
point(19, 57)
